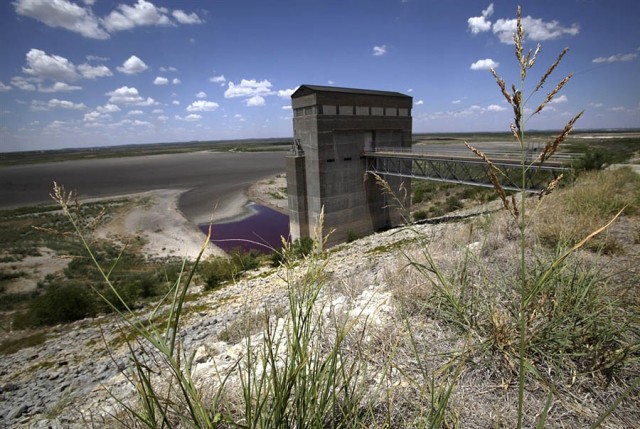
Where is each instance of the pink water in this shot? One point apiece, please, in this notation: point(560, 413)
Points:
point(262, 231)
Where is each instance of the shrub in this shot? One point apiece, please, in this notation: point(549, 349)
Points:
point(59, 304)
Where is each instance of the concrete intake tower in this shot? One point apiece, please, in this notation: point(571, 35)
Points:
point(333, 129)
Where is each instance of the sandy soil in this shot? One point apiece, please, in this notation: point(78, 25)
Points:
point(156, 217)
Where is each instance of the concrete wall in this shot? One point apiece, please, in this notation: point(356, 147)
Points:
point(334, 175)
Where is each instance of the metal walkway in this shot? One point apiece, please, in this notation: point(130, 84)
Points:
point(464, 167)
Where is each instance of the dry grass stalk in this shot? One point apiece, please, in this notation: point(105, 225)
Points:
point(551, 69)
point(552, 145)
point(552, 94)
point(502, 86)
point(551, 186)
point(494, 179)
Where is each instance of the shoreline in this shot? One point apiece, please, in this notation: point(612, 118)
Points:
point(156, 216)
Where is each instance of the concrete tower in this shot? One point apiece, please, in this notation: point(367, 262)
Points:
point(333, 128)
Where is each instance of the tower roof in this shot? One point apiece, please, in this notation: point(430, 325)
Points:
point(309, 89)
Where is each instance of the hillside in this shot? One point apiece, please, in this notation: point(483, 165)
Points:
point(423, 319)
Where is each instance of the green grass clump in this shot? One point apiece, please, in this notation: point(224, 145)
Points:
point(221, 269)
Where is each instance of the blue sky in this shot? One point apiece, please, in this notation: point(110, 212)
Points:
point(81, 73)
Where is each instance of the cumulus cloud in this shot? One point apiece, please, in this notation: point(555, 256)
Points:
point(286, 93)
point(93, 72)
point(168, 69)
point(25, 84)
point(135, 112)
point(248, 88)
point(480, 24)
point(485, 64)
point(4, 88)
point(62, 14)
point(218, 79)
point(496, 108)
point(74, 17)
point(55, 103)
point(132, 66)
point(202, 106)
point(379, 51)
point(175, 102)
point(186, 18)
point(201, 94)
point(126, 95)
point(615, 58)
point(54, 67)
point(192, 117)
point(159, 80)
point(557, 100)
point(255, 101)
point(58, 87)
point(286, 107)
point(535, 29)
point(142, 13)
point(419, 103)
point(176, 81)
point(108, 108)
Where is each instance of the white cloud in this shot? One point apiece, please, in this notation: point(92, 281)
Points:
point(126, 95)
point(202, 106)
point(201, 94)
point(192, 117)
point(485, 64)
point(142, 13)
point(25, 84)
point(184, 18)
point(286, 93)
point(108, 108)
point(562, 99)
point(96, 58)
point(456, 102)
point(419, 103)
point(54, 67)
point(92, 72)
point(168, 69)
point(496, 108)
point(237, 116)
point(595, 105)
point(140, 123)
point(4, 88)
point(159, 80)
point(175, 102)
point(286, 107)
point(218, 79)
point(255, 101)
point(62, 14)
point(132, 66)
point(615, 58)
point(480, 24)
point(135, 112)
point(54, 103)
point(378, 51)
point(162, 118)
point(248, 88)
point(535, 29)
point(176, 81)
point(96, 116)
point(157, 111)
point(58, 87)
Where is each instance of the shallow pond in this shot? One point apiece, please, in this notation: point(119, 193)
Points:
point(261, 230)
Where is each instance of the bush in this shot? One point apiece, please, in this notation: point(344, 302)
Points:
point(420, 215)
point(299, 249)
point(59, 304)
point(219, 269)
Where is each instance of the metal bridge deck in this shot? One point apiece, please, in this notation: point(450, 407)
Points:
point(464, 167)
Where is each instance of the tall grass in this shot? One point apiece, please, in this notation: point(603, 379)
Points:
point(532, 319)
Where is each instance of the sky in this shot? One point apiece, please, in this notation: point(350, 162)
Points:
point(87, 73)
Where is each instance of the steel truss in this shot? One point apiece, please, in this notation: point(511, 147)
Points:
point(466, 171)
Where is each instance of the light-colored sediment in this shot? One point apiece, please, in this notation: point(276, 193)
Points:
point(155, 217)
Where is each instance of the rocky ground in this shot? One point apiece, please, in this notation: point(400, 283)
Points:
point(71, 378)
